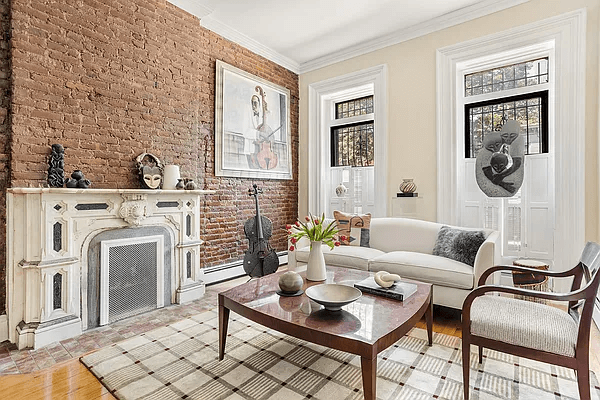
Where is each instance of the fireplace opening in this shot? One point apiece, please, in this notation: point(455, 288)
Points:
point(128, 273)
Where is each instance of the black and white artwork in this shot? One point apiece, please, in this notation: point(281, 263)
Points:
point(252, 135)
point(499, 166)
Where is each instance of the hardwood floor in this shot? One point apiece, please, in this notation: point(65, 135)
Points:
point(71, 380)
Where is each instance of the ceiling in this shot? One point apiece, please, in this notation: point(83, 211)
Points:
point(309, 34)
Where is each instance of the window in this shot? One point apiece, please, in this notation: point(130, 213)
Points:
point(531, 110)
point(352, 153)
point(490, 97)
point(355, 107)
point(529, 73)
point(352, 143)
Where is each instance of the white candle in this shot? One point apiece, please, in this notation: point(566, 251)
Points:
point(170, 177)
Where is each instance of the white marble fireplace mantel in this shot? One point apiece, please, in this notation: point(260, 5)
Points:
point(48, 236)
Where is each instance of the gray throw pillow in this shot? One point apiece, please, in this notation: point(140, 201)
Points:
point(458, 244)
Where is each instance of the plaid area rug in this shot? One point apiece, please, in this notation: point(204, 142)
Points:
point(180, 361)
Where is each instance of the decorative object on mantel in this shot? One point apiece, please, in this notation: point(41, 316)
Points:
point(385, 279)
point(78, 180)
point(150, 169)
point(260, 258)
point(290, 283)
point(190, 184)
point(180, 184)
point(170, 177)
point(341, 190)
point(318, 234)
point(408, 186)
point(56, 169)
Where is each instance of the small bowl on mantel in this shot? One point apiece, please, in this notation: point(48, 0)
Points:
point(333, 297)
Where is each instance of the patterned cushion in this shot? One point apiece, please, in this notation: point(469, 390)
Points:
point(458, 244)
point(524, 323)
point(354, 228)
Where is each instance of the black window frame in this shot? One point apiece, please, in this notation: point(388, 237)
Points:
point(333, 142)
point(542, 94)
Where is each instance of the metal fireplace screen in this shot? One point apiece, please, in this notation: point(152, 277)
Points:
point(132, 280)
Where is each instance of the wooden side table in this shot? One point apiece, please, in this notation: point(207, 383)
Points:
point(532, 281)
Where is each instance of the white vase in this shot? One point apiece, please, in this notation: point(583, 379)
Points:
point(315, 271)
point(170, 177)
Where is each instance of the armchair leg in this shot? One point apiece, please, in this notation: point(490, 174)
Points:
point(466, 362)
point(583, 378)
point(480, 355)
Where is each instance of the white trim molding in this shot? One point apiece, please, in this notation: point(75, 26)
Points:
point(318, 94)
point(457, 17)
point(254, 46)
point(3, 328)
point(567, 34)
point(477, 10)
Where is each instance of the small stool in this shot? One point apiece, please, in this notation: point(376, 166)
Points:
point(530, 280)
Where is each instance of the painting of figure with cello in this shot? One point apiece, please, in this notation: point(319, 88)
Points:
point(252, 128)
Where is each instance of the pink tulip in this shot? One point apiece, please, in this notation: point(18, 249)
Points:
point(337, 244)
point(291, 248)
point(293, 240)
point(288, 226)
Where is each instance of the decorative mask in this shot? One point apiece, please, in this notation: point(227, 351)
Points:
point(151, 176)
point(151, 171)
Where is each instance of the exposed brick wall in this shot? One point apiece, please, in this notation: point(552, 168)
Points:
point(4, 137)
point(110, 79)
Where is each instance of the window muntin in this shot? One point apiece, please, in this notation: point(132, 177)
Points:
point(531, 110)
point(529, 73)
point(353, 145)
point(354, 107)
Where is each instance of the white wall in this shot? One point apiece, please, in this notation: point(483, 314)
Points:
point(412, 99)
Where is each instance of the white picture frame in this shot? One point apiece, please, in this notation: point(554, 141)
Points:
point(252, 126)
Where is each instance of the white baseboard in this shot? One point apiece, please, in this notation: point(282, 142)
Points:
point(3, 328)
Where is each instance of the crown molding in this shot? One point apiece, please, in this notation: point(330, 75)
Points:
point(193, 7)
point(442, 22)
point(436, 24)
point(245, 41)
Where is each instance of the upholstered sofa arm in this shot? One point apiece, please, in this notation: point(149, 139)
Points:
point(487, 257)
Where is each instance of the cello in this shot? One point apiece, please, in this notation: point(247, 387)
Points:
point(260, 258)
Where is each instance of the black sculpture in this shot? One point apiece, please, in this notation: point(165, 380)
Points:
point(78, 180)
point(56, 170)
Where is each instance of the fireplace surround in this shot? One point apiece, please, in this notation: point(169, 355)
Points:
point(55, 288)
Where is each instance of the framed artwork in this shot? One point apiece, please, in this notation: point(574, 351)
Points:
point(252, 126)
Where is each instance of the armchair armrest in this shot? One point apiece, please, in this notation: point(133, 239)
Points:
point(553, 274)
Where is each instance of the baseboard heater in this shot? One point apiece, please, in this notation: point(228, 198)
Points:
point(283, 258)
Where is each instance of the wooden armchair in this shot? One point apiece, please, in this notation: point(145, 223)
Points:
point(533, 330)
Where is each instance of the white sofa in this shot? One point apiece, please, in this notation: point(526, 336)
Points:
point(404, 246)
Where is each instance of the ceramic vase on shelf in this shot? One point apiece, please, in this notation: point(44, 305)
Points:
point(315, 270)
point(407, 186)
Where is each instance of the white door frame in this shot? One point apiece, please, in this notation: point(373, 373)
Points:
point(567, 31)
point(318, 136)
